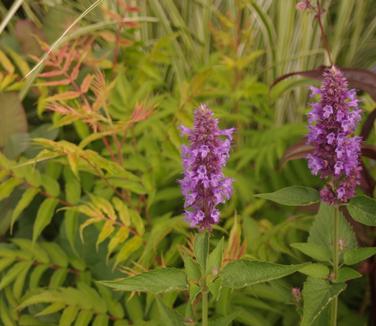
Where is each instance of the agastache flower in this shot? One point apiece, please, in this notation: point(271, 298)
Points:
point(204, 186)
point(332, 122)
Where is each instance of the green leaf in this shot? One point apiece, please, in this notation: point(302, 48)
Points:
point(68, 316)
point(50, 185)
point(317, 252)
point(84, 317)
point(317, 294)
point(242, 273)
point(18, 285)
point(168, 316)
point(7, 187)
point(346, 274)
point(363, 210)
point(122, 210)
point(106, 231)
point(201, 249)
point(24, 201)
point(224, 321)
point(215, 258)
point(354, 256)
point(315, 270)
point(192, 269)
point(127, 249)
point(44, 216)
point(101, 320)
point(70, 226)
point(137, 221)
point(321, 232)
point(13, 273)
point(155, 281)
point(293, 196)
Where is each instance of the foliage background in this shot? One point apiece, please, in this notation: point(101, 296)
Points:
point(91, 147)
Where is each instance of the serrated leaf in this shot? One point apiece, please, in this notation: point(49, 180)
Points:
point(84, 317)
point(321, 231)
point(24, 202)
point(13, 273)
point(120, 236)
point(293, 196)
point(106, 231)
point(242, 273)
point(34, 249)
point(346, 274)
point(58, 278)
point(7, 187)
point(70, 226)
point(57, 255)
point(354, 256)
point(122, 210)
point(101, 320)
point(317, 294)
point(155, 281)
point(363, 210)
point(50, 185)
point(19, 283)
point(44, 216)
point(51, 309)
point(128, 248)
point(137, 222)
point(201, 250)
point(36, 275)
point(169, 317)
point(68, 316)
point(215, 258)
point(315, 270)
point(192, 269)
point(317, 252)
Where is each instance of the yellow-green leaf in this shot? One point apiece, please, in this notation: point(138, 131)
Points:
point(44, 216)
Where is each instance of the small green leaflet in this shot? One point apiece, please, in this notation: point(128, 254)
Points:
point(354, 256)
point(44, 216)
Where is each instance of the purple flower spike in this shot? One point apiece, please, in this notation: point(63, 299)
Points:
point(332, 122)
point(204, 186)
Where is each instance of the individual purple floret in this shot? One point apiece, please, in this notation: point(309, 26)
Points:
point(332, 122)
point(204, 186)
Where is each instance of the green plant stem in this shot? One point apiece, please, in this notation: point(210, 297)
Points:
point(204, 288)
point(335, 264)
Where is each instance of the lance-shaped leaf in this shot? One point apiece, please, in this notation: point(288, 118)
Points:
point(168, 316)
point(44, 216)
point(155, 281)
point(242, 273)
point(293, 196)
point(317, 252)
point(363, 210)
point(317, 294)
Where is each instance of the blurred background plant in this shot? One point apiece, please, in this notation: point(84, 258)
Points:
point(91, 148)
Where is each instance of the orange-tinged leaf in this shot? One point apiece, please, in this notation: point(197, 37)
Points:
point(86, 83)
point(64, 96)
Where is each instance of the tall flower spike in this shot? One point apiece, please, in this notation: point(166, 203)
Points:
point(332, 122)
point(204, 186)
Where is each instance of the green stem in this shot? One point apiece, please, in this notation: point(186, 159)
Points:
point(204, 306)
point(204, 288)
point(335, 265)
